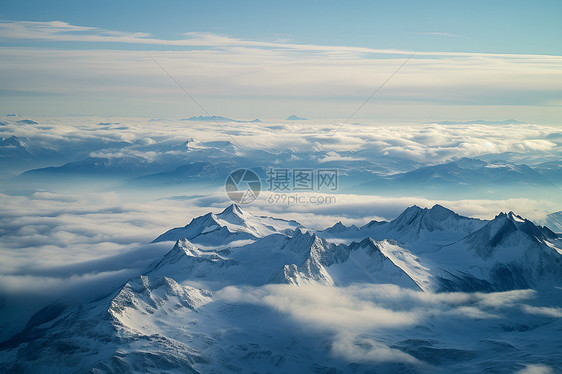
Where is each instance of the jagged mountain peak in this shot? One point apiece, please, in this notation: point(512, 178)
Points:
point(426, 228)
point(469, 163)
point(412, 210)
point(234, 209)
point(304, 236)
point(186, 260)
point(338, 224)
point(505, 223)
point(440, 212)
point(508, 252)
point(12, 141)
point(234, 213)
point(147, 295)
point(511, 216)
point(436, 210)
point(506, 239)
point(185, 246)
point(339, 228)
point(407, 216)
point(373, 223)
point(516, 219)
point(491, 234)
point(424, 218)
point(365, 243)
point(182, 248)
point(308, 256)
point(233, 223)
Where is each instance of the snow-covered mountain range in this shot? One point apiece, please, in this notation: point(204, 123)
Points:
point(231, 224)
point(203, 307)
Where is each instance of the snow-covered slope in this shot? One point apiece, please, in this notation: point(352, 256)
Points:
point(431, 249)
point(419, 229)
point(184, 314)
point(303, 258)
point(252, 264)
point(141, 328)
point(509, 252)
point(554, 221)
point(445, 251)
point(431, 226)
point(340, 231)
point(340, 265)
point(231, 224)
point(13, 148)
point(370, 261)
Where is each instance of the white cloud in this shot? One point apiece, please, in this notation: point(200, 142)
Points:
point(352, 145)
point(535, 369)
point(52, 239)
point(554, 312)
point(328, 78)
point(335, 310)
point(63, 31)
point(360, 209)
point(252, 72)
point(356, 349)
point(369, 323)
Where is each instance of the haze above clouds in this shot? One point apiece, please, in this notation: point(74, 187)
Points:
point(230, 75)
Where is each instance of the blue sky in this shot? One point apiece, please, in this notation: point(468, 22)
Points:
point(466, 41)
point(469, 26)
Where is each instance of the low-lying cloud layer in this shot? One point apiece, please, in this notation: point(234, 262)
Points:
point(75, 247)
point(82, 246)
point(422, 143)
point(79, 240)
point(377, 323)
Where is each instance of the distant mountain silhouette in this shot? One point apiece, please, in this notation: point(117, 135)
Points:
point(295, 118)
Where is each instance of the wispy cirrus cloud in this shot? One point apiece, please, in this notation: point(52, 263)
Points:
point(64, 31)
point(225, 68)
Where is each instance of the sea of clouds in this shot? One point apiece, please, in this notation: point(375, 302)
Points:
point(79, 241)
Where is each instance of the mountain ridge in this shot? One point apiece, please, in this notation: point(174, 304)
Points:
point(177, 316)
